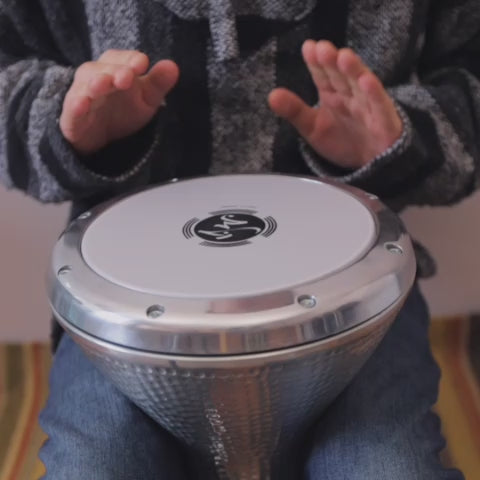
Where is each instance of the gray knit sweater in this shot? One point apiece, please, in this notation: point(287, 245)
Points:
point(231, 54)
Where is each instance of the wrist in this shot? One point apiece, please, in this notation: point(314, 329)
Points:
point(392, 138)
point(402, 139)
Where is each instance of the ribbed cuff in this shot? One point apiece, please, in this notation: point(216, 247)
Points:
point(117, 165)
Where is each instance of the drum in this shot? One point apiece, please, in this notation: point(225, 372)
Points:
point(233, 309)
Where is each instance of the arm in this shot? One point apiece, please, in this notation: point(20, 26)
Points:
point(434, 157)
point(35, 79)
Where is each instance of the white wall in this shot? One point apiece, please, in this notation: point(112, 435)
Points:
point(28, 230)
point(453, 236)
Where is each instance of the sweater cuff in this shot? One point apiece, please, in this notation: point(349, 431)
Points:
point(114, 167)
point(123, 158)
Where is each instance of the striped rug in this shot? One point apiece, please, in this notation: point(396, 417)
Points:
point(23, 390)
point(456, 345)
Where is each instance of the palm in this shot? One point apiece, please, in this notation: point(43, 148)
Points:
point(356, 119)
point(113, 98)
point(119, 115)
point(338, 132)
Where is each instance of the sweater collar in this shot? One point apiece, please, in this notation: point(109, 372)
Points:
point(221, 15)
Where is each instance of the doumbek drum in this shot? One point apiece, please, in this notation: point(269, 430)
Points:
point(233, 309)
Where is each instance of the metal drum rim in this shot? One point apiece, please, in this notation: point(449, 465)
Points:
point(231, 361)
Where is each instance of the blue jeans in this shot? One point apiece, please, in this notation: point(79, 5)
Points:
point(380, 428)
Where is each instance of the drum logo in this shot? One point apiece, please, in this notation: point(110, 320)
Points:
point(229, 228)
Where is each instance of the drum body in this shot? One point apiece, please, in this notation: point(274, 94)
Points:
point(233, 360)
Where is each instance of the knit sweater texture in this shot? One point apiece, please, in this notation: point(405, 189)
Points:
point(231, 54)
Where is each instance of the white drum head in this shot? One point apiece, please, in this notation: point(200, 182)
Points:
point(229, 236)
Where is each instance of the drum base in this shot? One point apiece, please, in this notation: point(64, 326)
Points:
point(243, 417)
point(285, 466)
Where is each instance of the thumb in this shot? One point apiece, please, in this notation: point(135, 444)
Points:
point(156, 84)
point(292, 108)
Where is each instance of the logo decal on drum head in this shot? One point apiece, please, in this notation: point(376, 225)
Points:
point(229, 228)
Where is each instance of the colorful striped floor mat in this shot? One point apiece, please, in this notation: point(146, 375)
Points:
point(456, 345)
point(23, 390)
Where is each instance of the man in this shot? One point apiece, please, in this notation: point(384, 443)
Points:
point(84, 115)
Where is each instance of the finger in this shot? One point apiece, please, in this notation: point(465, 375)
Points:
point(80, 106)
point(103, 83)
point(123, 78)
point(380, 104)
point(89, 72)
point(326, 54)
point(158, 82)
point(134, 59)
point(75, 109)
point(292, 108)
point(100, 85)
point(319, 76)
point(352, 68)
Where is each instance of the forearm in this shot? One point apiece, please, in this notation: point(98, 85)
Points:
point(437, 158)
point(36, 73)
point(35, 157)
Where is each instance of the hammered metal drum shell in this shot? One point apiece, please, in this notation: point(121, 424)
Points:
point(241, 361)
point(239, 415)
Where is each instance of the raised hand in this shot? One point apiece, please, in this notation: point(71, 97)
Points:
point(114, 97)
point(356, 119)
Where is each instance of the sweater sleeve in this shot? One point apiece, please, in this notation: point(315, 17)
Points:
point(437, 159)
point(35, 75)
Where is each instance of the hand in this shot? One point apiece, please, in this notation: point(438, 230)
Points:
point(114, 97)
point(356, 120)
